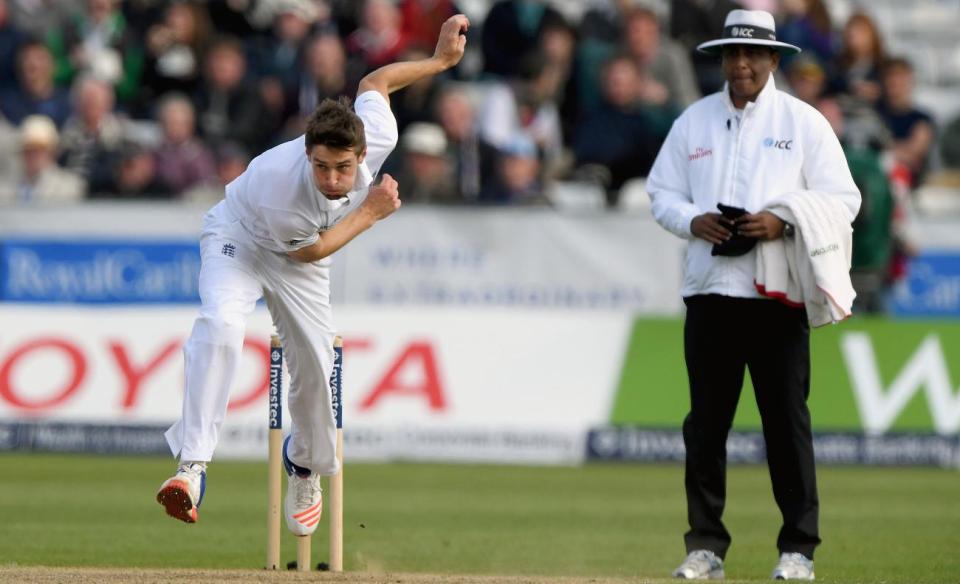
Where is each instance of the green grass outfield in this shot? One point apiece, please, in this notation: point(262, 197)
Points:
point(622, 521)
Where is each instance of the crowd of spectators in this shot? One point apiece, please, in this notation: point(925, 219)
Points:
point(170, 99)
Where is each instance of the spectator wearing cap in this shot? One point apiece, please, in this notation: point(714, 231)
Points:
point(39, 181)
point(426, 175)
point(517, 180)
point(36, 92)
point(183, 161)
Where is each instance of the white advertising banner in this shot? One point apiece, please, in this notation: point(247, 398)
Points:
point(513, 258)
point(430, 384)
point(422, 256)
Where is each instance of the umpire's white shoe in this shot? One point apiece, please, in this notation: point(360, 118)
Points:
point(182, 493)
point(700, 565)
point(303, 504)
point(793, 566)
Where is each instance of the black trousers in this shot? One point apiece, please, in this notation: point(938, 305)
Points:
point(722, 337)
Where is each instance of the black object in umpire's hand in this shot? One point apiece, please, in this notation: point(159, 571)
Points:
point(738, 244)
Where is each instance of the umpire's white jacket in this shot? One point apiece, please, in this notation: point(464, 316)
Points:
point(744, 158)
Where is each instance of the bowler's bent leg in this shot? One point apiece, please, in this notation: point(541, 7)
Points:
point(298, 299)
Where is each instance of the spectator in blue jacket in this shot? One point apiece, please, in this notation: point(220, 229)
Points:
point(624, 135)
point(911, 127)
point(36, 92)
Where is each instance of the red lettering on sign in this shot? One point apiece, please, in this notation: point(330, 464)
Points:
point(132, 375)
point(79, 365)
point(417, 355)
point(358, 344)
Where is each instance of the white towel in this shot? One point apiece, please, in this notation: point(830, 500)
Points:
point(811, 269)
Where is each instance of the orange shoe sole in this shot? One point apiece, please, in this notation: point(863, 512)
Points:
point(176, 501)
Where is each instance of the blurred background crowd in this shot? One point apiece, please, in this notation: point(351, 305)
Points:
point(557, 102)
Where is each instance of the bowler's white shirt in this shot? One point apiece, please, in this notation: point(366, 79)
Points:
point(744, 158)
point(276, 199)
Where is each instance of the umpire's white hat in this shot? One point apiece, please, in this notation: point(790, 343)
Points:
point(748, 27)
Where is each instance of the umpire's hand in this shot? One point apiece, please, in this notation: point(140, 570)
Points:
point(712, 227)
point(764, 225)
point(383, 199)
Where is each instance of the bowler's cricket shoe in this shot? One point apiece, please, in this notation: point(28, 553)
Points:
point(304, 501)
point(793, 566)
point(181, 495)
point(700, 565)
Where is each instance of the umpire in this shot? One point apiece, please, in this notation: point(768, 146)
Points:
point(735, 152)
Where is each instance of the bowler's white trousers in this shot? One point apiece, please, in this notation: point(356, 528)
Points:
point(235, 273)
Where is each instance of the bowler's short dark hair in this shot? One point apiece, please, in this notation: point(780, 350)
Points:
point(335, 125)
